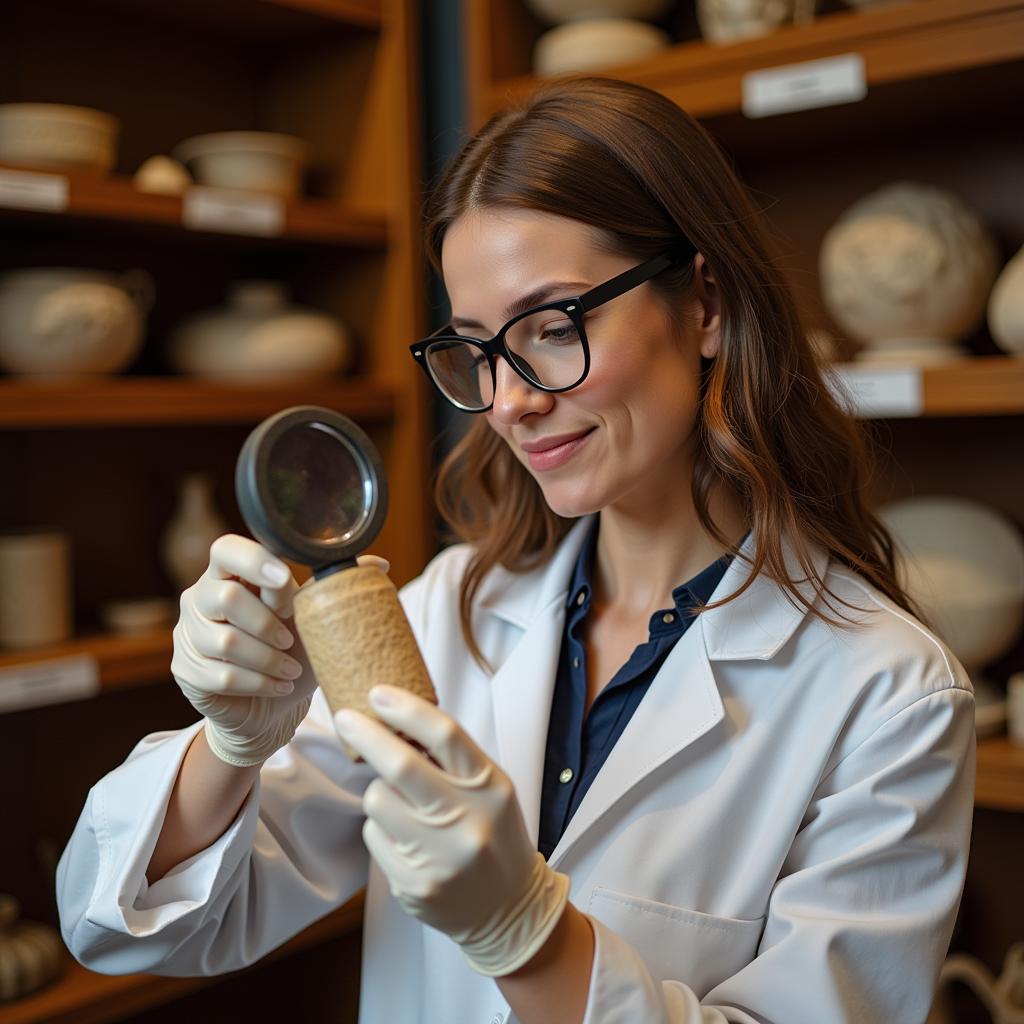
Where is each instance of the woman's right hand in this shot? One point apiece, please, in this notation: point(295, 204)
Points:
point(236, 656)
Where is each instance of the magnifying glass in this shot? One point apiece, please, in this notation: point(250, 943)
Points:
point(311, 488)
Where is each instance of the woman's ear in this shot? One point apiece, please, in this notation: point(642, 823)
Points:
point(710, 300)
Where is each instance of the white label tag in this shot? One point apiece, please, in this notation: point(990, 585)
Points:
point(813, 83)
point(49, 682)
point(240, 213)
point(868, 391)
point(29, 190)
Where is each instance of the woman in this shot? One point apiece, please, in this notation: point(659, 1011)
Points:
point(695, 757)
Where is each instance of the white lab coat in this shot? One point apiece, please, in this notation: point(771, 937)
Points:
point(779, 835)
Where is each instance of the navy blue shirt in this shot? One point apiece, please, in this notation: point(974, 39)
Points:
point(577, 747)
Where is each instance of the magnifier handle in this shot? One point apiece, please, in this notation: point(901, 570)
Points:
point(356, 634)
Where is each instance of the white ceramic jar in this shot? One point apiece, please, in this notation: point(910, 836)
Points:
point(35, 587)
point(65, 321)
point(259, 337)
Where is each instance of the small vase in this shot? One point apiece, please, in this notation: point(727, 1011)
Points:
point(195, 525)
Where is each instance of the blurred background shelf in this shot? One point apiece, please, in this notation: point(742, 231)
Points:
point(116, 199)
point(1000, 778)
point(81, 996)
point(127, 401)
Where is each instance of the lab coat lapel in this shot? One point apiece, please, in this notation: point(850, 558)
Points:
point(523, 686)
point(683, 702)
point(681, 705)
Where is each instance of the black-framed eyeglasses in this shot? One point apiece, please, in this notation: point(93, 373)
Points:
point(547, 345)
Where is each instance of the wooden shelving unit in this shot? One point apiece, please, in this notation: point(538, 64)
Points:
point(100, 458)
point(1000, 780)
point(81, 996)
point(139, 401)
point(115, 199)
point(898, 42)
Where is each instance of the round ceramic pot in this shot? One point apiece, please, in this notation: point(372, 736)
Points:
point(258, 336)
point(1006, 306)
point(595, 44)
point(71, 322)
point(54, 135)
point(907, 270)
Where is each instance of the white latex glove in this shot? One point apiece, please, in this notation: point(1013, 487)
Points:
point(229, 647)
point(450, 835)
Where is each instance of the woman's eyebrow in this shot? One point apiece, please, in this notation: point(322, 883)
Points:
point(535, 298)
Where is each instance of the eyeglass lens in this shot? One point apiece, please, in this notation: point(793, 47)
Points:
point(545, 347)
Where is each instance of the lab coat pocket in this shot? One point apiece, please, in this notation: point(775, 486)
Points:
point(700, 950)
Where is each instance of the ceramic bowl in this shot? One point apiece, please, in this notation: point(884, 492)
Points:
point(54, 135)
point(252, 161)
point(557, 11)
point(593, 45)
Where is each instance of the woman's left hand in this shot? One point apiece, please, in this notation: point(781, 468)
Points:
point(450, 836)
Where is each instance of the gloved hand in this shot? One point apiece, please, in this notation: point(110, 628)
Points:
point(228, 652)
point(450, 835)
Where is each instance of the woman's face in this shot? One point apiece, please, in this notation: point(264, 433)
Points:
point(625, 430)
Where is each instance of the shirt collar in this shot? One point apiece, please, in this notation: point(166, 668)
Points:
point(694, 591)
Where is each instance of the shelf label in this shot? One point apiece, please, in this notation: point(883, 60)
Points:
point(48, 682)
point(813, 83)
point(240, 213)
point(874, 391)
point(30, 190)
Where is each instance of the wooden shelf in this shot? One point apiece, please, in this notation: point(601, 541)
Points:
point(983, 386)
point(115, 198)
point(124, 660)
point(124, 401)
point(1000, 779)
point(82, 997)
point(898, 42)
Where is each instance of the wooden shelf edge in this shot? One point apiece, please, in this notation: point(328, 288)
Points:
point(81, 996)
point(36, 403)
point(706, 77)
point(999, 784)
point(362, 13)
point(115, 197)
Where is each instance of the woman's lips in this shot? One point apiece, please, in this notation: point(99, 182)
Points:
point(551, 458)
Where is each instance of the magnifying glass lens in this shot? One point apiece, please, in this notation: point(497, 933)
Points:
point(315, 483)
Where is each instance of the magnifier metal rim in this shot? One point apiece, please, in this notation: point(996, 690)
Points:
point(271, 528)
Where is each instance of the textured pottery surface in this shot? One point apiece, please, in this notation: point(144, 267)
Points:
point(1006, 307)
point(162, 175)
point(908, 270)
point(729, 21)
point(963, 562)
point(31, 954)
point(58, 136)
point(259, 337)
point(71, 322)
point(194, 526)
point(252, 161)
point(557, 11)
point(595, 44)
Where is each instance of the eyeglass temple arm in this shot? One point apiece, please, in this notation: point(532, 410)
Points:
point(685, 250)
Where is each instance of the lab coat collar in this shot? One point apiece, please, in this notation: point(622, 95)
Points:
point(681, 705)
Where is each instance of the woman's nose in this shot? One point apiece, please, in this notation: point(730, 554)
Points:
point(514, 397)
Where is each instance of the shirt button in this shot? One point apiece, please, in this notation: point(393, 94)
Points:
point(575, 662)
point(565, 775)
point(581, 597)
point(668, 617)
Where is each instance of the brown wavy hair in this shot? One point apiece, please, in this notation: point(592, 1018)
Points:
point(631, 164)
